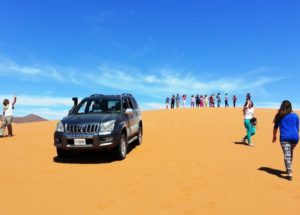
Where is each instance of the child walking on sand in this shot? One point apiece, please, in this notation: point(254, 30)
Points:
point(7, 116)
point(288, 123)
point(249, 122)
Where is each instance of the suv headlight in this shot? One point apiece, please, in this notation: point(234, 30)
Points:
point(107, 127)
point(60, 127)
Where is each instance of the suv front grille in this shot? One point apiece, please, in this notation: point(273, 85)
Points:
point(82, 128)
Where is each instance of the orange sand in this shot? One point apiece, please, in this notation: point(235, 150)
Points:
point(188, 163)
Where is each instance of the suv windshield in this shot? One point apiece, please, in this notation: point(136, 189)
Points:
point(99, 105)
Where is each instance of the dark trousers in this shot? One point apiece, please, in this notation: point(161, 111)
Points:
point(172, 104)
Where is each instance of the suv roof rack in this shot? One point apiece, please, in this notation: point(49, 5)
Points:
point(94, 95)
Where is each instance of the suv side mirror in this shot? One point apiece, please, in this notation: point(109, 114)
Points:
point(129, 111)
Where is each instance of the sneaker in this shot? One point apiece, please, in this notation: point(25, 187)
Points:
point(289, 177)
point(250, 144)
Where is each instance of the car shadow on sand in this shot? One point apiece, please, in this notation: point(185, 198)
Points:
point(277, 172)
point(90, 157)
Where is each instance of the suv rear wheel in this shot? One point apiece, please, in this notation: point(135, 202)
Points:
point(140, 136)
point(121, 149)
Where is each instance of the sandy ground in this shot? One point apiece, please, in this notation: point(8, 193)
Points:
point(189, 163)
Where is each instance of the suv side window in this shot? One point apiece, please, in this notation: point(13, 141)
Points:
point(135, 105)
point(130, 105)
point(124, 104)
point(127, 103)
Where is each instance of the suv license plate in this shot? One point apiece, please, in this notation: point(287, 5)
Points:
point(79, 142)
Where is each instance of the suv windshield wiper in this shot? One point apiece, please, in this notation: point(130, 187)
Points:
point(99, 112)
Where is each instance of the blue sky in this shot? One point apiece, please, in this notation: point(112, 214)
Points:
point(53, 50)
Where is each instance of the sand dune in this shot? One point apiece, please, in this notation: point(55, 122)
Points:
point(29, 118)
point(189, 163)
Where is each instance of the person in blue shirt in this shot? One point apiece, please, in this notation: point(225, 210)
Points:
point(288, 123)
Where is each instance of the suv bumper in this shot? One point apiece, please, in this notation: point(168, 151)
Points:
point(68, 141)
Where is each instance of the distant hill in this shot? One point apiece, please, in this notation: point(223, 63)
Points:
point(29, 118)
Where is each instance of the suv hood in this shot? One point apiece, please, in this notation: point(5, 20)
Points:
point(89, 118)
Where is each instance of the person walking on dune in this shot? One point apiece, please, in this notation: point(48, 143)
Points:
point(234, 98)
point(183, 101)
point(197, 100)
point(167, 102)
point(7, 117)
point(248, 116)
point(288, 123)
point(193, 100)
point(201, 101)
point(219, 99)
point(206, 101)
point(172, 102)
point(177, 101)
point(226, 100)
point(212, 100)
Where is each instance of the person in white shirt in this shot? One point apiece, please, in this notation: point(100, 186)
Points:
point(248, 115)
point(7, 116)
point(193, 101)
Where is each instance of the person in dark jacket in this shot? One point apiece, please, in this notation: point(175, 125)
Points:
point(173, 102)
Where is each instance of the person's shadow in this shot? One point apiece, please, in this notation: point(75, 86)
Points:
point(272, 171)
point(241, 143)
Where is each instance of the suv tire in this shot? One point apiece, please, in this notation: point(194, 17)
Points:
point(139, 136)
point(121, 149)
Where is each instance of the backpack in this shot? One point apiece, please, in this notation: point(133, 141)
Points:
point(253, 121)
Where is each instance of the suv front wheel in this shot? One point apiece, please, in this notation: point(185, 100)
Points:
point(121, 149)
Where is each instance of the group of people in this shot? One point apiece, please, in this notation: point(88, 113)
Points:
point(199, 101)
point(7, 117)
point(285, 120)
